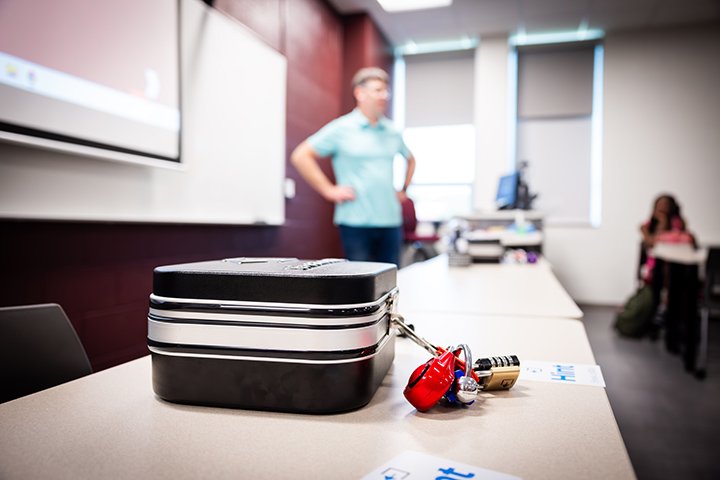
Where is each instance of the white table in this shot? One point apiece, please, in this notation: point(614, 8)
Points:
point(486, 289)
point(110, 424)
point(680, 253)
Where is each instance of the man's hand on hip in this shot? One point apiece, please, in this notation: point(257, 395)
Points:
point(339, 194)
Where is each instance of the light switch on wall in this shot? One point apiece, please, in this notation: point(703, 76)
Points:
point(289, 188)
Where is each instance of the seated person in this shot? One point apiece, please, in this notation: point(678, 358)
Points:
point(674, 285)
point(666, 224)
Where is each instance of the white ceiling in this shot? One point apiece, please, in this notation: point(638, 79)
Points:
point(490, 17)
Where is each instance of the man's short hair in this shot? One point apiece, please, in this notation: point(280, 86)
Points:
point(369, 73)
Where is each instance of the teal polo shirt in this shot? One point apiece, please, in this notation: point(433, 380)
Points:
point(363, 159)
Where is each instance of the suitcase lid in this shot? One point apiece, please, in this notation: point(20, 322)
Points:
point(328, 281)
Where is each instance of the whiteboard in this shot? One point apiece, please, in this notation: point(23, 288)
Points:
point(232, 150)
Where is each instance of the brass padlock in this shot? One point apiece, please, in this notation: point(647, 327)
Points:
point(497, 373)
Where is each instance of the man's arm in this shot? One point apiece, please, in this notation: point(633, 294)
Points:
point(305, 159)
point(409, 172)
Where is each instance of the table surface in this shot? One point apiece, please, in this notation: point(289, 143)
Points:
point(485, 289)
point(680, 253)
point(111, 425)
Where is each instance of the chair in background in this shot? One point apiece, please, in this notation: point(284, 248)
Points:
point(417, 247)
point(40, 350)
point(710, 302)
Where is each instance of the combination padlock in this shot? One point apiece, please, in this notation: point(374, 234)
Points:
point(497, 373)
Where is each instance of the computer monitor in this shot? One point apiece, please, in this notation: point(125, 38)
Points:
point(507, 191)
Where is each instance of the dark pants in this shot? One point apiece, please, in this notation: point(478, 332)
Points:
point(373, 244)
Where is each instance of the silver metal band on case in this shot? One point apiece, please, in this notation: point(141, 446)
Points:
point(268, 306)
point(234, 318)
point(267, 338)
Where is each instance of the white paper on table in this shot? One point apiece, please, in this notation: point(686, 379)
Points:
point(421, 466)
point(562, 372)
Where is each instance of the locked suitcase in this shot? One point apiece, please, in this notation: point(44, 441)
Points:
point(276, 334)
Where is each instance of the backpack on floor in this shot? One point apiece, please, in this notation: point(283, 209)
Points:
point(636, 317)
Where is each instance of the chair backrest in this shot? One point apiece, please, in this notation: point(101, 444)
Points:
point(712, 276)
point(40, 349)
point(408, 216)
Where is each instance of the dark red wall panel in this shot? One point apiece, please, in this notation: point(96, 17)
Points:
point(364, 46)
point(101, 273)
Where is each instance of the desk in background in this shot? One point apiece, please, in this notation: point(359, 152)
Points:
point(110, 424)
point(504, 218)
point(503, 229)
point(485, 244)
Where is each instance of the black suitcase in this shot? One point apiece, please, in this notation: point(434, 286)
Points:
point(276, 334)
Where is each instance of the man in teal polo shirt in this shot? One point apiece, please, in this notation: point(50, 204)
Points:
point(363, 144)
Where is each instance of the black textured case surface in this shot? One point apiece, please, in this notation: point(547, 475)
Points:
point(324, 282)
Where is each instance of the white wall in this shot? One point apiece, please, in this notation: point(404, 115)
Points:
point(492, 119)
point(661, 133)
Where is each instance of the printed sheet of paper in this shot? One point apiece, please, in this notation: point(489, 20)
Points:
point(420, 466)
point(559, 372)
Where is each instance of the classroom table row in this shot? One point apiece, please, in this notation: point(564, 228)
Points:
point(111, 425)
point(529, 289)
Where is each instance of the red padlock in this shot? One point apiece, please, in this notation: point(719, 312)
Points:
point(429, 382)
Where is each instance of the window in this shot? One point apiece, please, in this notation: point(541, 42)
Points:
point(442, 184)
point(559, 117)
point(434, 104)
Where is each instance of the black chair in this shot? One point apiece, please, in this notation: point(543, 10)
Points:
point(710, 302)
point(40, 350)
